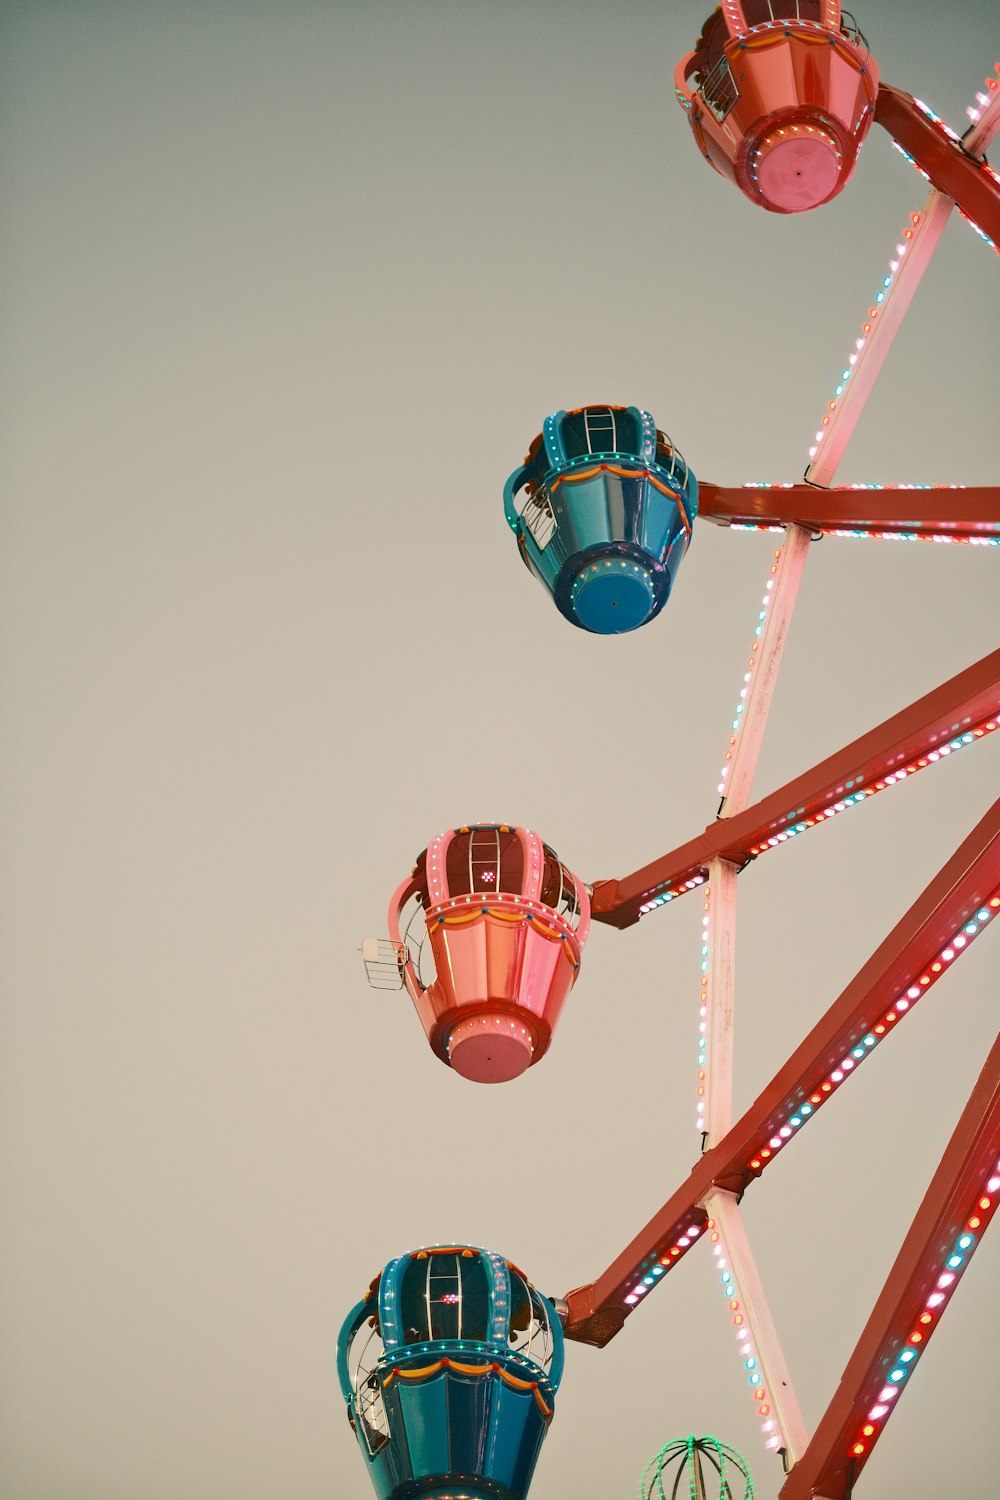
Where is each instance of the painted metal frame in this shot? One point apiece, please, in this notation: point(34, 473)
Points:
point(956, 513)
point(953, 909)
point(966, 885)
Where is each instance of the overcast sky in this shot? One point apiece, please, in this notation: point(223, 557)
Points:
point(287, 291)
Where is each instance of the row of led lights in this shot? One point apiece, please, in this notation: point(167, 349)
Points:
point(785, 25)
point(762, 613)
point(866, 329)
point(882, 536)
point(981, 232)
point(671, 892)
point(975, 113)
point(655, 1270)
point(864, 793)
point(879, 536)
point(916, 536)
point(748, 1353)
point(987, 240)
point(798, 1116)
point(927, 1320)
point(535, 906)
point(861, 794)
point(911, 159)
point(857, 484)
point(983, 100)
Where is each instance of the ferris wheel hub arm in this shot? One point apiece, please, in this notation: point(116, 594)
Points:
point(949, 164)
point(777, 608)
point(955, 511)
point(968, 699)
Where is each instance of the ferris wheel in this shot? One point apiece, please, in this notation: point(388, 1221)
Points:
point(451, 1362)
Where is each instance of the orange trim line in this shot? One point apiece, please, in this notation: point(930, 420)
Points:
point(463, 1250)
point(444, 1363)
point(553, 935)
point(821, 39)
point(658, 484)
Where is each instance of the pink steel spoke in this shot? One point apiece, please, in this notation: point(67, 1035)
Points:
point(962, 896)
point(760, 679)
point(752, 662)
point(956, 714)
point(718, 1012)
point(757, 1338)
point(748, 727)
point(878, 330)
point(944, 1235)
point(704, 987)
point(715, 1022)
point(892, 300)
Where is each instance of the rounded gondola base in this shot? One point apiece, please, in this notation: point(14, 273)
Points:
point(798, 172)
point(614, 588)
point(490, 1048)
point(612, 596)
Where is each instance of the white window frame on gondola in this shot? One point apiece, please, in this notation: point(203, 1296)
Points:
point(588, 414)
point(535, 1343)
point(539, 517)
point(487, 862)
point(367, 1384)
point(451, 1274)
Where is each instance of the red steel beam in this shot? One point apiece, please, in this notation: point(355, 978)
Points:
point(597, 1311)
point(843, 1440)
point(964, 704)
point(960, 513)
point(947, 165)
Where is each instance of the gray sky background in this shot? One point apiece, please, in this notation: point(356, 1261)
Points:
point(287, 291)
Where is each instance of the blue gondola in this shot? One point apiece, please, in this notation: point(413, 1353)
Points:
point(606, 515)
point(450, 1367)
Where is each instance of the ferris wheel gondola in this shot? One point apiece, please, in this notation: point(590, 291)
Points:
point(603, 509)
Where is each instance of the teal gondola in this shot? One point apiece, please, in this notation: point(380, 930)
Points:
point(603, 508)
point(450, 1367)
